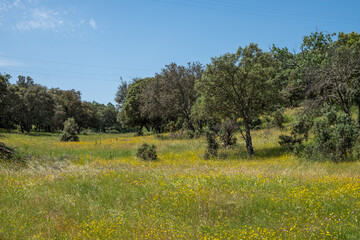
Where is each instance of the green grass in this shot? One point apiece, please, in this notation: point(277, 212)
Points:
point(98, 189)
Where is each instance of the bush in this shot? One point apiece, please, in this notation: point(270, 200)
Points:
point(336, 137)
point(197, 133)
point(190, 134)
point(278, 118)
point(139, 133)
point(147, 152)
point(289, 141)
point(299, 133)
point(212, 145)
point(70, 131)
point(6, 152)
point(335, 141)
point(171, 127)
point(226, 133)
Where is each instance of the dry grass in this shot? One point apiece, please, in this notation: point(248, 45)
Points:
point(97, 189)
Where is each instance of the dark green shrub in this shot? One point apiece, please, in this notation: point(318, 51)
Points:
point(6, 152)
point(278, 118)
point(70, 131)
point(139, 133)
point(289, 141)
point(299, 134)
point(212, 145)
point(147, 152)
point(226, 133)
point(171, 127)
point(197, 133)
point(335, 141)
point(190, 134)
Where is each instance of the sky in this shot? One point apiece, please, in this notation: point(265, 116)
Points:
point(90, 45)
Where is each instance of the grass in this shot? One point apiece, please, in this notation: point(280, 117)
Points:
point(98, 189)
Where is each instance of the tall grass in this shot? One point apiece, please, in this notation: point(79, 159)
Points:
point(98, 189)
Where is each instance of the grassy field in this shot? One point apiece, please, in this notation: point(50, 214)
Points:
point(98, 189)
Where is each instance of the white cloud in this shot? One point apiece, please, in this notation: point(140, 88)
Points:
point(8, 63)
point(28, 15)
point(41, 19)
point(92, 24)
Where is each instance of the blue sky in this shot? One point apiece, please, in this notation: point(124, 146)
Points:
point(89, 45)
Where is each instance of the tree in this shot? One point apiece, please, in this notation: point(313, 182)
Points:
point(10, 103)
point(239, 85)
point(106, 116)
point(337, 79)
point(347, 39)
point(130, 114)
point(171, 94)
point(40, 106)
point(120, 96)
point(72, 105)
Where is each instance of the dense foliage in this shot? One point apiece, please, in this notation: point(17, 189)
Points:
point(240, 91)
point(29, 106)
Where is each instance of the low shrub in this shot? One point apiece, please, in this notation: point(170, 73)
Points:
point(70, 131)
point(147, 152)
point(6, 152)
point(226, 133)
point(212, 145)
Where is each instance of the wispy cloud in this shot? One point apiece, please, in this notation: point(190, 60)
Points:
point(7, 5)
point(92, 24)
point(28, 15)
point(41, 19)
point(9, 63)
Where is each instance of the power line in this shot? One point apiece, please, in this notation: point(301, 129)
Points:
point(257, 11)
point(257, 8)
point(77, 64)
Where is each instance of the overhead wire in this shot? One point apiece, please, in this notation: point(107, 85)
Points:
point(256, 11)
point(76, 64)
point(257, 8)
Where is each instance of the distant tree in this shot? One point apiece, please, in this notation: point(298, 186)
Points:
point(120, 96)
point(72, 105)
point(240, 85)
point(11, 108)
point(347, 39)
point(4, 92)
point(106, 116)
point(40, 106)
point(24, 82)
point(172, 93)
point(130, 115)
point(24, 86)
point(58, 117)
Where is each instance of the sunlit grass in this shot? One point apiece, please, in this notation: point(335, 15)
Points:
point(98, 189)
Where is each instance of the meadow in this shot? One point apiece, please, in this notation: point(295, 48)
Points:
point(98, 189)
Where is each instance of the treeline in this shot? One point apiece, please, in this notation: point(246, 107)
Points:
point(235, 92)
point(29, 106)
point(242, 90)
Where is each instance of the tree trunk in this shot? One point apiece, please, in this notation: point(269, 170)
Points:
point(359, 115)
point(249, 146)
point(139, 132)
point(147, 128)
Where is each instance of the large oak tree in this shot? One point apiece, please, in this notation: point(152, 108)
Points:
point(239, 85)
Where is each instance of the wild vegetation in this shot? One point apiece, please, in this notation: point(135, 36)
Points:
point(98, 188)
point(256, 144)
